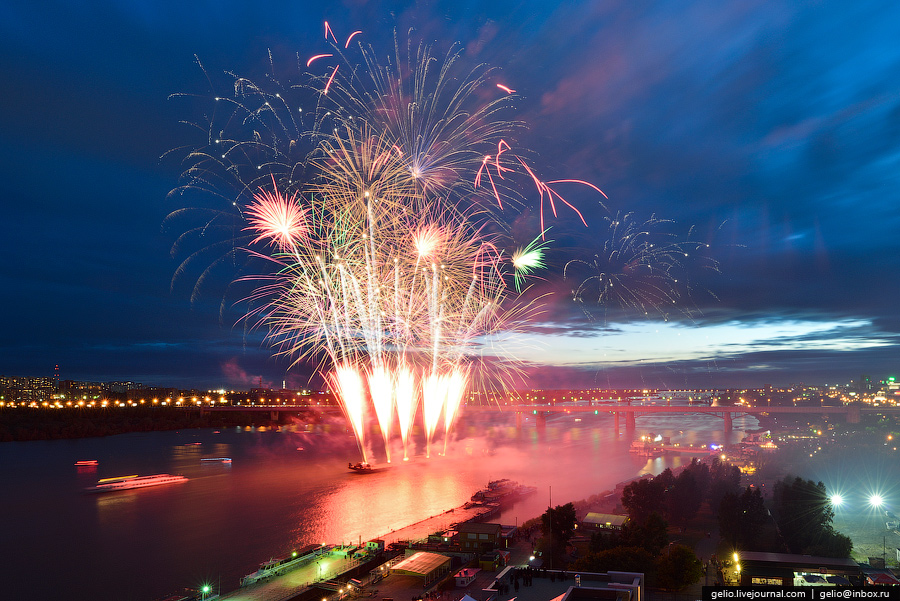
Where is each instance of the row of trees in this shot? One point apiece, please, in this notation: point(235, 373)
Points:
point(801, 508)
point(802, 513)
point(27, 423)
point(643, 543)
point(679, 498)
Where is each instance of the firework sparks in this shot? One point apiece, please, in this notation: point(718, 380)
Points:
point(316, 57)
point(329, 31)
point(352, 35)
point(381, 388)
point(528, 259)
point(638, 267)
point(330, 79)
point(347, 380)
point(277, 218)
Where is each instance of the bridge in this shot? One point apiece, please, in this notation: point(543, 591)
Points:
point(620, 411)
point(630, 412)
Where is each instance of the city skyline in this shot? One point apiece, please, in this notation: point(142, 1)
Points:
point(771, 130)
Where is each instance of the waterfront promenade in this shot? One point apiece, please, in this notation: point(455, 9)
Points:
point(286, 586)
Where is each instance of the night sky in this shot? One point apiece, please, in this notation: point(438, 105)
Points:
point(772, 128)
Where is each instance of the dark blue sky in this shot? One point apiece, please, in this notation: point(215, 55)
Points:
point(774, 128)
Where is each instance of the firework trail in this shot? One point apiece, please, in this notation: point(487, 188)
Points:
point(380, 207)
point(639, 267)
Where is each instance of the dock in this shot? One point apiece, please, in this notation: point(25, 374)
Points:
point(652, 450)
point(443, 521)
point(291, 584)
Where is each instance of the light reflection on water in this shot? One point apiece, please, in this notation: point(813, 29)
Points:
point(227, 518)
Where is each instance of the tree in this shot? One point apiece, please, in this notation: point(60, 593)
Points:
point(684, 498)
point(804, 516)
point(621, 559)
point(652, 534)
point(558, 526)
point(642, 498)
point(724, 478)
point(677, 568)
point(742, 517)
point(836, 545)
point(700, 472)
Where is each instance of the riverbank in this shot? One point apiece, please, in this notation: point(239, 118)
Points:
point(23, 424)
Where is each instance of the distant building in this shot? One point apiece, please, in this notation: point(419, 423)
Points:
point(866, 384)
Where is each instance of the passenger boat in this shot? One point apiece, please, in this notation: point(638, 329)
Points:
point(135, 481)
point(219, 459)
point(281, 565)
point(87, 462)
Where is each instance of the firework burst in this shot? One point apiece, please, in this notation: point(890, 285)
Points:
point(640, 267)
point(377, 194)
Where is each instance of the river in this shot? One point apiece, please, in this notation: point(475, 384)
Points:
point(285, 488)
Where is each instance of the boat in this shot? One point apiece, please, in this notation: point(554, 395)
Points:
point(219, 459)
point(281, 565)
point(135, 481)
point(366, 468)
point(502, 491)
point(85, 462)
point(644, 448)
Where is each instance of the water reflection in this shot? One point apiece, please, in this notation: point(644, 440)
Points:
point(225, 520)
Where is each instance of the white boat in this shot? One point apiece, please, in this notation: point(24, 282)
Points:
point(129, 482)
point(219, 459)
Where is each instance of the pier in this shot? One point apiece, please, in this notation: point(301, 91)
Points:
point(324, 572)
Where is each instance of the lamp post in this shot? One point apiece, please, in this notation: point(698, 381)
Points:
point(876, 501)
